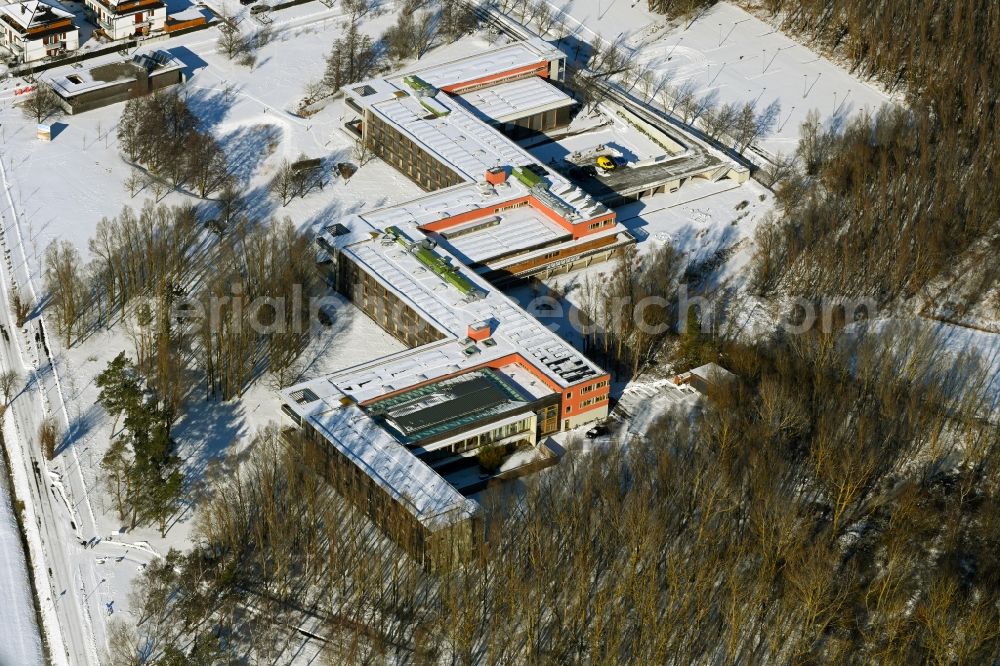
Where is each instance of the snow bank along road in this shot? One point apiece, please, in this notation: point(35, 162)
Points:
point(22, 643)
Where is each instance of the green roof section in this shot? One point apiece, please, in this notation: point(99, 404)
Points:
point(434, 262)
point(419, 85)
point(527, 176)
point(436, 111)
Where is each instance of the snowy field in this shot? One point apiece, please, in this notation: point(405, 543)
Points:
point(728, 55)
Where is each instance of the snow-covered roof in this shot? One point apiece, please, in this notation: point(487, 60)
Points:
point(33, 13)
point(516, 99)
point(712, 372)
point(446, 130)
point(189, 14)
point(107, 70)
point(506, 58)
point(470, 147)
point(411, 482)
point(464, 142)
point(450, 311)
point(507, 232)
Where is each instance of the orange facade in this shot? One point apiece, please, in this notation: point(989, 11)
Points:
point(538, 69)
point(580, 230)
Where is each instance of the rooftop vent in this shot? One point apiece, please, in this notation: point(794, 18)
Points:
point(337, 229)
point(304, 396)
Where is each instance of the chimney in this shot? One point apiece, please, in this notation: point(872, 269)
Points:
point(496, 176)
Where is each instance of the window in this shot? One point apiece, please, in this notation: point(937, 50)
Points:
point(569, 408)
point(500, 209)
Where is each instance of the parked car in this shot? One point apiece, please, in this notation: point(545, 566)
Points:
point(247, 2)
point(259, 9)
point(606, 163)
point(598, 430)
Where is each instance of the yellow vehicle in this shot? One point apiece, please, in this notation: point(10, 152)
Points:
point(606, 163)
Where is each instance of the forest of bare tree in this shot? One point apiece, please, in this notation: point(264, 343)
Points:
point(885, 204)
point(837, 504)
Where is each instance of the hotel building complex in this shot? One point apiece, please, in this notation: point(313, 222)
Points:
point(479, 370)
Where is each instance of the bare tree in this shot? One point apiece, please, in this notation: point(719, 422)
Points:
point(41, 103)
point(134, 182)
point(22, 306)
point(8, 380)
point(66, 285)
point(283, 185)
point(232, 43)
point(362, 151)
point(47, 437)
point(356, 9)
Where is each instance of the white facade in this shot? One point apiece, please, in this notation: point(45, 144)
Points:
point(32, 31)
point(130, 18)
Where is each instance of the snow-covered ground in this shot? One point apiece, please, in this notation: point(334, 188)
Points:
point(730, 56)
point(23, 643)
point(61, 190)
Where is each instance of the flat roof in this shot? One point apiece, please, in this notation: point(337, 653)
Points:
point(465, 198)
point(459, 139)
point(434, 502)
point(510, 101)
point(497, 235)
point(444, 128)
point(525, 381)
point(502, 59)
point(450, 311)
point(105, 71)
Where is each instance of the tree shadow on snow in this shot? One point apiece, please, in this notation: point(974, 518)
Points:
point(211, 105)
point(79, 428)
point(205, 432)
point(247, 148)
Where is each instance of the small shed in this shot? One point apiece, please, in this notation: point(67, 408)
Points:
point(704, 377)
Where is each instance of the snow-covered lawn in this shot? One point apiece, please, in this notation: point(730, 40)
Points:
point(730, 56)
